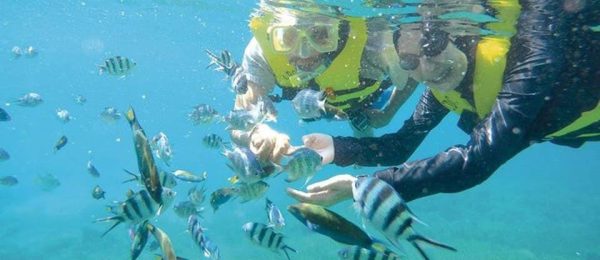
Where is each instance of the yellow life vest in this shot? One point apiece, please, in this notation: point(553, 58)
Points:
point(340, 80)
point(490, 64)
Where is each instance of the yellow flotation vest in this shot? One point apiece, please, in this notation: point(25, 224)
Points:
point(490, 64)
point(340, 80)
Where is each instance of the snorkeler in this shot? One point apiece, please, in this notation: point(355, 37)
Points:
point(543, 84)
point(352, 61)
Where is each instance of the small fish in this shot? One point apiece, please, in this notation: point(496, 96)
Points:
point(4, 156)
point(137, 208)
point(30, 100)
point(8, 181)
point(62, 141)
point(140, 238)
point(117, 66)
point(189, 177)
point(63, 115)
point(382, 207)
point(221, 196)
point(303, 162)
point(92, 169)
point(31, 52)
point(359, 253)
point(245, 165)
point(46, 182)
point(309, 104)
point(162, 148)
point(80, 100)
point(110, 115)
point(165, 242)
point(248, 192)
point(266, 237)
point(274, 215)
point(203, 114)
point(197, 232)
point(4, 116)
point(166, 179)
point(98, 192)
point(185, 209)
point(197, 196)
point(233, 70)
point(16, 52)
point(213, 141)
point(245, 120)
point(148, 171)
point(330, 224)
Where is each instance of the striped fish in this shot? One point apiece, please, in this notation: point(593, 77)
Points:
point(221, 196)
point(137, 208)
point(145, 160)
point(140, 238)
point(304, 162)
point(309, 104)
point(117, 66)
point(164, 241)
point(359, 253)
point(381, 206)
point(214, 141)
point(166, 179)
point(203, 114)
point(266, 237)
point(197, 195)
point(248, 192)
point(209, 250)
point(245, 165)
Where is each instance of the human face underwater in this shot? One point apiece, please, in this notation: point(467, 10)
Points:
point(443, 71)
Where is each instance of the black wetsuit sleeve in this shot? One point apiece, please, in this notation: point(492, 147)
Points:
point(532, 68)
point(394, 148)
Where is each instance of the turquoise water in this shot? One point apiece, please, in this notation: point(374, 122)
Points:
point(543, 204)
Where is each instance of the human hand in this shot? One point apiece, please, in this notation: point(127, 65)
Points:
point(268, 144)
point(322, 144)
point(327, 192)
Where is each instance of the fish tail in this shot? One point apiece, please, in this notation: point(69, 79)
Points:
point(416, 238)
point(285, 251)
point(119, 220)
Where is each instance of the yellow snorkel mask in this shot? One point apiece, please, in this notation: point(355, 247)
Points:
point(321, 37)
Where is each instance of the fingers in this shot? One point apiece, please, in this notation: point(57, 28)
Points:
point(323, 198)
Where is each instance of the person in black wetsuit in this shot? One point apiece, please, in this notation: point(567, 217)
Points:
point(548, 89)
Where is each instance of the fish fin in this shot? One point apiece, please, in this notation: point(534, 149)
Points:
point(415, 218)
point(421, 251)
point(415, 238)
point(307, 180)
point(312, 226)
point(285, 251)
point(119, 220)
point(160, 209)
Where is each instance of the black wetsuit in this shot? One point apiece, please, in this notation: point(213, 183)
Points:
point(552, 76)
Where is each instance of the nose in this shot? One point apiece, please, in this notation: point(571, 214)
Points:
point(304, 50)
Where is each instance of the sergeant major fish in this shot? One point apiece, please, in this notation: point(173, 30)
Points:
point(209, 250)
point(266, 237)
point(309, 104)
point(246, 165)
point(162, 148)
point(184, 209)
point(221, 196)
point(213, 141)
point(244, 120)
point(137, 208)
point(146, 165)
point(359, 253)
point(251, 191)
point(274, 215)
point(203, 114)
point(117, 66)
point(381, 206)
point(303, 162)
point(197, 195)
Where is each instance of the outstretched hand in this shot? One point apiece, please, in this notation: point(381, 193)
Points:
point(327, 192)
